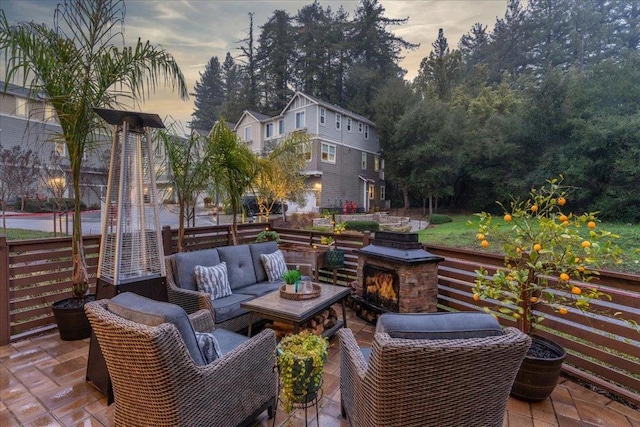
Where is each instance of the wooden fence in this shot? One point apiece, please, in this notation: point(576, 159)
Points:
point(602, 350)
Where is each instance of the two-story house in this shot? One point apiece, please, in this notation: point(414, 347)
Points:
point(343, 164)
point(29, 121)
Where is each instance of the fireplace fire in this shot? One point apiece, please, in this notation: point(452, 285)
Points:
point(395, 274)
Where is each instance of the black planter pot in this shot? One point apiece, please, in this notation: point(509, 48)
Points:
point(71, 319)
point(335, 258)
point(538, 374)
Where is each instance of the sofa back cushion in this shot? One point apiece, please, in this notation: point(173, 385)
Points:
point(258, 249)
point(239, 265)
point(460, 325)
point(185, 266)
point(139, 309)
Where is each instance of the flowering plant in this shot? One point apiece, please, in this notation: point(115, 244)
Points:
point(550, 256)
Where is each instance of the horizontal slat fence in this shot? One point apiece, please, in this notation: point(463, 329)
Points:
point(602, 350)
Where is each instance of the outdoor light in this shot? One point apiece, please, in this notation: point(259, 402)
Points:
point(131, 255)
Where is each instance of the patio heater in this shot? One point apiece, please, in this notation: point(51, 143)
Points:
point(131, 255)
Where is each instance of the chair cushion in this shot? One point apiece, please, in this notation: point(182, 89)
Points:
point(260, 289)
point(239, 265)
point(228, 340)
point(139, 309)
point(229, 307)
point(185, 264)
point(274, 265)
point(213, 280)
point(209, 346)
point(258, 249)
point(458, 325)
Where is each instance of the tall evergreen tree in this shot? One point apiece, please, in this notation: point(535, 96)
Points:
point(234, 103)
point(250, 66)
point(275, 58)
point(472, 45)
point(441, 70)
point(209, 93)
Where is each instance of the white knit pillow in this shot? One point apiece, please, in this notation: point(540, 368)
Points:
point(274, 265)
point(213, 280)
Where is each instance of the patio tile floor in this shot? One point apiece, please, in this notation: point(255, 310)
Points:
point(42, 383)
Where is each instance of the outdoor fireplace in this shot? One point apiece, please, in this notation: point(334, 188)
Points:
point(395, 274)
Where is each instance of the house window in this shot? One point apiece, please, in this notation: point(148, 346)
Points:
point(371, 191)
point(323, 116)
point(306, 152)
point(382, 169)
point(364, 161)
point(49, 113)
point(247, 134)
point(21, 107)
point(280, 127)
point(360, 127)
point(382, 192)
point(300, 120)
point(338, 121)
point(366, 131)
point(269, 130)
point(376, 163)
point(328, 153)
point(348, 124)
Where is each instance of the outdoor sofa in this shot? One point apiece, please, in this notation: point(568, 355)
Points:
point(247, 276)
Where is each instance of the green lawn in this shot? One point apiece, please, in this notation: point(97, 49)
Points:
point(20, 234)
point(458, 234)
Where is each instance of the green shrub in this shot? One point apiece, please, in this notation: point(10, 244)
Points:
point(439, 219)
point(361, 225)
point(49, 205)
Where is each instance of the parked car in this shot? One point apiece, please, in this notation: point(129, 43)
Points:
point(251, 207)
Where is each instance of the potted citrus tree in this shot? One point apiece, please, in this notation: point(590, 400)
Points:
point(335, 256)
point(549, 256)
point(301, 360)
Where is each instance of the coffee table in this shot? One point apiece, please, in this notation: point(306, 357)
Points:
point(272, 306)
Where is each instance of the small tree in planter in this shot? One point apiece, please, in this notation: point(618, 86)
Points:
point(335, 256)
point(549, 256)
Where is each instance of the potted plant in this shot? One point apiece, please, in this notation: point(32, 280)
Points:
point(549, 255)
point(268, 236)
point(335, 256)
point(291, 277)
point(301, 360)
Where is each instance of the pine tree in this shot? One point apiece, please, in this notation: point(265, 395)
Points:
point(441, 70)
point(209, 96)
point(234, 103)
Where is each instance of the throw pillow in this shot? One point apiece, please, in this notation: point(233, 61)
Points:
point(274, 265)
point(213, 280)
point(209, 346)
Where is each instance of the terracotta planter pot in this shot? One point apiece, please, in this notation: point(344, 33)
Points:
point(538, 376)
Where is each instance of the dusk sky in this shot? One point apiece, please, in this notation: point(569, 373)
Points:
point(195, 30)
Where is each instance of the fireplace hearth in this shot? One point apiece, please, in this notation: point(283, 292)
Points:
point(396, 274)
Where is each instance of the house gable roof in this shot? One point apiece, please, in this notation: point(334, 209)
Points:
point(326, 105)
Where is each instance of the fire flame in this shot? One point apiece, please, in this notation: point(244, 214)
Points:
point(382, 284)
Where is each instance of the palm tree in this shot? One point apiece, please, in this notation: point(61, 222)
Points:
point(234, 168)
point(77, 66)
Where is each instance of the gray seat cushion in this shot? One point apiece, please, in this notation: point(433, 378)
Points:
point(239, 265)
point(139, 309)
point(228, 340)
point(460, 325)
point(260, 289)
point(185, 265)
point(258, 249)
point(229, 307)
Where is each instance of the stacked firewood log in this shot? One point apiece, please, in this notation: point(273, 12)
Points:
point(316, 325)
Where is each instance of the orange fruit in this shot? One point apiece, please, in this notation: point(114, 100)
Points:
point(577, 260)
point(576, 290)
point(562, 310)
point(480, 236)
point(534, 208)
point(561, 201)
point(585, 244)
point(476, 297)
point(591, 224)
point(533, 300)
point(507, 217)
point(562, 218)
point(484, 244)
point(565, 223)
point(581, 269)
point(537, 247)
point(518, 250)
point(564, 277)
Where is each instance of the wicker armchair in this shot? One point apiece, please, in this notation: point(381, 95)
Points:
point(157, 382)
point(429, 382)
